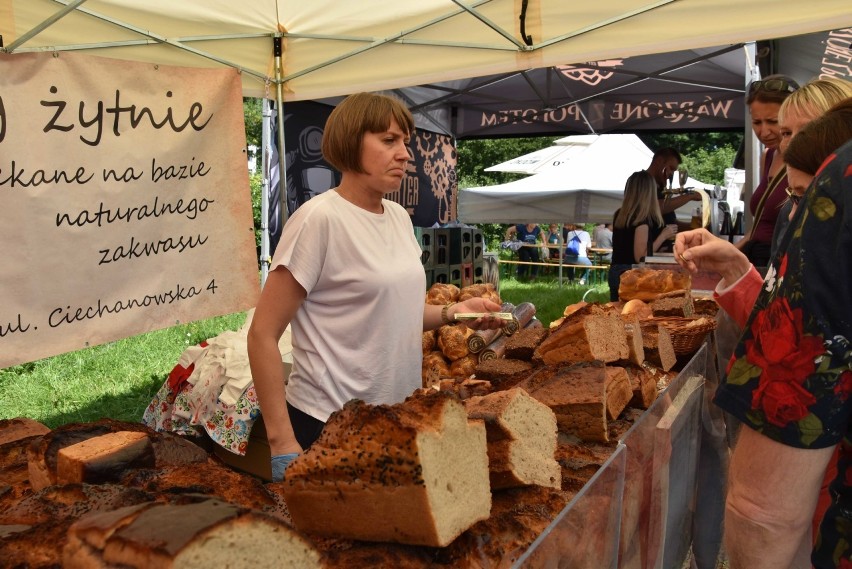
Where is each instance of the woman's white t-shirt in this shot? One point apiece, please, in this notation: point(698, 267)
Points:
point(358, 333)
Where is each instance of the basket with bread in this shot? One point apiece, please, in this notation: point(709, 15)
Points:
point(664, 298)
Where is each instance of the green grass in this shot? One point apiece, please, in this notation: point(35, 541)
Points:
point(119, 379)
point(115, 380)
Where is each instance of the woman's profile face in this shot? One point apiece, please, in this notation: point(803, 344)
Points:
point(764, 122)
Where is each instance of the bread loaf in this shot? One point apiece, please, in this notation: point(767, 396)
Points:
point(521, 434)
point(416, 473)
point(20, 428)
point(442, 293)
point(646, 284)
point(635, 345)
point(199, 535)
point(168, 449)
point(500, 371)
point(637, 307)
point(522, 345)
point(588, 334)
point(479, 290)
point(430, 341)
point(577, 394)
point(464, 367)
point(105, 458)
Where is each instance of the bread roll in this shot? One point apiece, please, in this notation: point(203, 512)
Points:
point(442, 293)
point(638, 307)
point(452, 341)
point(480, 290)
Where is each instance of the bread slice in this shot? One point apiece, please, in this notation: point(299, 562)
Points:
point(415, 472)
point(199, 535)
point(643, 383)
point(659, 350)
point(675, 303)
point(521, 434)
point(618, 391)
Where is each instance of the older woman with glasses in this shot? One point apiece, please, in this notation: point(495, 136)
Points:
point(764, 102)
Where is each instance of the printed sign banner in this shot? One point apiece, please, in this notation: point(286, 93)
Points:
point(125, 199)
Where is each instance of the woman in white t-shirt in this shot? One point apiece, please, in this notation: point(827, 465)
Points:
point(577, 239)
point(347, 277)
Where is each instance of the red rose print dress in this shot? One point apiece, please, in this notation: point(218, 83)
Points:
point(791, 374)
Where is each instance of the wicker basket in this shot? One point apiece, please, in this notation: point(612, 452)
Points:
point(685, 339)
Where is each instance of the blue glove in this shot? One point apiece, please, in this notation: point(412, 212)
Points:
point(279, 465)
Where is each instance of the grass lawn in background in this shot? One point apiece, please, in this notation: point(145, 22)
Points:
point(118, 380)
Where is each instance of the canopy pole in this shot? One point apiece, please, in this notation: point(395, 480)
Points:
point(266, 259)
point(266, 113)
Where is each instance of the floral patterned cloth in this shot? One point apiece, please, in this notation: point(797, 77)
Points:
point(210, 390)
point(791, 374)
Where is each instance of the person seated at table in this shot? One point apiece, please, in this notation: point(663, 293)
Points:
point(531, 236)
point(553, 241)
point(577, 242)
point(602, 239)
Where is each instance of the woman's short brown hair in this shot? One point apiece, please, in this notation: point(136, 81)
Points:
point(350, 120)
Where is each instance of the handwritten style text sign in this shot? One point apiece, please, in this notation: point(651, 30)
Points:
point(124, 199)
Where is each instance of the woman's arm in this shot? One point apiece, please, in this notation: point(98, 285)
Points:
point(281, 298)
point(668, 231)
point(433, 314)
point(640, 242)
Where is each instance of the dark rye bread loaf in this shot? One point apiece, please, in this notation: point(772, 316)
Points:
point(415, 472)
point(583, 397)
point(588, 334)
point(500, 371)
point(42, 455)
point(522, 345)
point(521, 435)
point(208, 533)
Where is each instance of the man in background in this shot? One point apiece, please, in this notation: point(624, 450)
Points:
point(663, 165)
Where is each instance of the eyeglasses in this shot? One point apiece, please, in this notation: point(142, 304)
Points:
point(776, 85)
point(794, 197)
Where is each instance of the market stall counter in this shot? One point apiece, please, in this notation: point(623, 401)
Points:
point(637, 510)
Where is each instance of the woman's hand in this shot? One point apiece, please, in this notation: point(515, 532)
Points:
point(669, 231)
point(479, 305)
point(701, 250)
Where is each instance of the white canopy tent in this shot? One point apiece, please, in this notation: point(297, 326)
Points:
point(291, 50)
point(587, 187)
point(331, 48)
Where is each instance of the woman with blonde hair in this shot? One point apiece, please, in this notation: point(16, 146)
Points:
point(637, 227)
point(797, 110)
